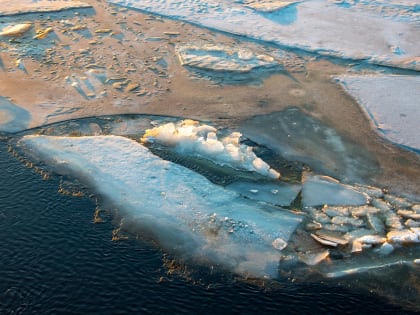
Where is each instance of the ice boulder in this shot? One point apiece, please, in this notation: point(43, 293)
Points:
point(179, 209)
point(189, 137)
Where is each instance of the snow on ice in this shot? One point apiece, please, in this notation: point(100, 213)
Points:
point(318, 26)
point(191, 137)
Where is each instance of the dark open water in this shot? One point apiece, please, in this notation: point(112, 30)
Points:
point(55, 260)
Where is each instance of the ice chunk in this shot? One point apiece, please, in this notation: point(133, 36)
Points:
point(223, 58)
point(190, 138)
point(12, 7)
point(314, 258)
point(391, 103)
point(403, 237)
point(322, 190)
point(180, 209)
point(317, 26)
point(279, 243)
point(16, 29)
point(12, 117)
point(385, 249)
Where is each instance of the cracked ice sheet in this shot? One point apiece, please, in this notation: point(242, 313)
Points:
point(182, 210)
point(13, 7)
point(316, 26)
point(392, 103)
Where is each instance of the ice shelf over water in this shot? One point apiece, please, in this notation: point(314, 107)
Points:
point(318, 26)
point(391, 102)
point(180, 209)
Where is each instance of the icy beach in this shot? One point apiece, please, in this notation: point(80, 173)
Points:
point(263, 139)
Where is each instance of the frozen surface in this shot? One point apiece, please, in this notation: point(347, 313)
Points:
point(322, 190)
point(300, 137)
point(189, 137)
point(392, 103)
point(12, 117)
point(180, 209)
point(317, 26)
point(281, 194)
point(11, 7)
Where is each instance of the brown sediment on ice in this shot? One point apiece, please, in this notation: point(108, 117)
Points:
point(73, 71)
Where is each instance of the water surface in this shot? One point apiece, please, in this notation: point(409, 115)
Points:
point(55, 260)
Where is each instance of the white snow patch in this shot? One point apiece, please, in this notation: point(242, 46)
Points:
point(180, 209)
point(190, 138)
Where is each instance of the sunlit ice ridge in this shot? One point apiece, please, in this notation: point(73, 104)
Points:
point(378, 32)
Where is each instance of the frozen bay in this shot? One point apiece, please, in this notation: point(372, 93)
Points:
point(300, 119)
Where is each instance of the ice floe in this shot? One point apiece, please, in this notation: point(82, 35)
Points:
point(179, 208)
point(318, 26)
point(12, 7)
point(223, 58)
point(189, 137)
point(391, 102)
